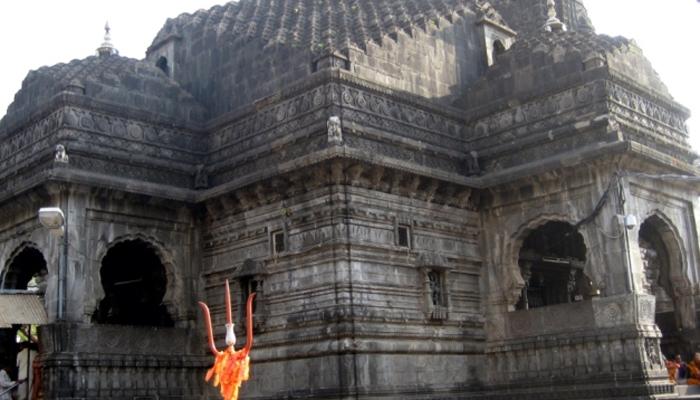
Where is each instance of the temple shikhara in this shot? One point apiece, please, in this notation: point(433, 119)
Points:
point(431, 199)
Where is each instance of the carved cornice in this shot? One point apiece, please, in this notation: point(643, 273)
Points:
point(381, 128)
point(341, 171)
point(539, 114)
point(134, 135)
point(68, 99)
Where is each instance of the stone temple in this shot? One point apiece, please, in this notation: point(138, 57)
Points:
point(432, 199)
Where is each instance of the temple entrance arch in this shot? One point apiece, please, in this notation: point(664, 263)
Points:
point(551, 260)
point(135, 282)
point(26, 269)
point(663, 262)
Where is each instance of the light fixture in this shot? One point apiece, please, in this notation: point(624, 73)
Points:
point(52, 218)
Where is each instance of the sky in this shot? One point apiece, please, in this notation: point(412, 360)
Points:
point(34, 33)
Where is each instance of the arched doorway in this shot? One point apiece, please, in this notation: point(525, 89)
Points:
point(551, 261)
point(134, 282)
point(662, 261)
point(26, 270)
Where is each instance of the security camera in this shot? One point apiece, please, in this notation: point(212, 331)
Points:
point(630, 221)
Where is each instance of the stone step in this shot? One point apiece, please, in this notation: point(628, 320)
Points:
point(688, 390)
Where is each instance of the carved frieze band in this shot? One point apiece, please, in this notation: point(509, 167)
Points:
point(27, 144)
point(648, 113)
point(147, 139)
point(403, 119)
point(258, 127)
point(282, 119)
point(539, 115)
point(106, 131)
point(143, 173)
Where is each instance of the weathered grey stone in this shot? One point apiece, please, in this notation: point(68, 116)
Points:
point(381, 174)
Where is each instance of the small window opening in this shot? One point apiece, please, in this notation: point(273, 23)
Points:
point(404, 236)
point(134, 282)
point(551, 263)
point(249, 285)
point(278, 242)
point(162, 64)
point(498, 48)
point(437, 291)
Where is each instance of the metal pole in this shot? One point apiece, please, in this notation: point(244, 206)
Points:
point(29, 353)
point(63, 266)
point(59, 300)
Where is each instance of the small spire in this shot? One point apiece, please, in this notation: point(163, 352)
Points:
point(107, 48)
point(553, 23)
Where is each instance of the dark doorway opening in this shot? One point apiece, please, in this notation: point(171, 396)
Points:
point(551, 262)
point(657, 259)
point(134, 281)
point(26, 272)
point(162, 64)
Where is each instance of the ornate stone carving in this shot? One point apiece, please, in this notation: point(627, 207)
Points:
point(335, 131)
point(432, 260)
point(653, 352)
point(473, 163)
point(61, 156)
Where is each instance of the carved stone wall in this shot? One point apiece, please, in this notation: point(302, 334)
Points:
point(345, 306)
point(562, 344)
point(583, 348)
point(437, 60)
point(380, 227)
point(277, 133)
point(90, 362)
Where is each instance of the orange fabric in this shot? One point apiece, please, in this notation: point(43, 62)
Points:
point(693, 373)
point(672, 368)
point(36, 382)
point(230, 370)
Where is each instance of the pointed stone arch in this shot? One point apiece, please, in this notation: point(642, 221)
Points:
point(521, 267)
point(673, 240)
point(23, 264)
point(665, 267)
point(173, 285)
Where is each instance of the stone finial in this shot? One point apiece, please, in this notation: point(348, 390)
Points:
point(61, 156)
point(107, 48)
point(553, 23)
point(335, 131)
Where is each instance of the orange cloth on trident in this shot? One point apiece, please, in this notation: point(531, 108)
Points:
point(230, 370)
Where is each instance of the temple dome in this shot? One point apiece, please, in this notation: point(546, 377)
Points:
point(561, 59)
point(313, 25)
point(232, 55)
point(106, 80)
